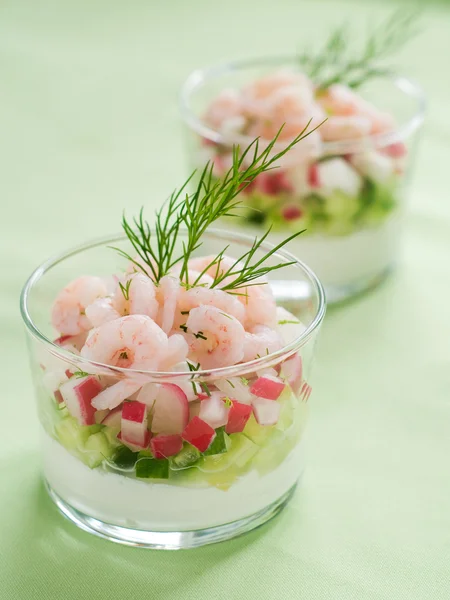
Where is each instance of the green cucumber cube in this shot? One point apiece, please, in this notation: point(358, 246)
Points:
point(220, 444)
point(187, 457)
point(152, 468)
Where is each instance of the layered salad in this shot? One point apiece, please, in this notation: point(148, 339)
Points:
point(345, 185)
point(174, 395)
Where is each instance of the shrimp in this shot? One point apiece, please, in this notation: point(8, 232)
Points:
point(345, 128)
point(167, 294)
point(138, 296)
point(217, 269)
point(198, 296)
point(134, 342)
point(177, 351)
point(225, 106)
point(101, 311)
point(259, 303)
point(68, 313)
point(224, 343)
point(261, 341)
point(342, 101)
point(264, 87)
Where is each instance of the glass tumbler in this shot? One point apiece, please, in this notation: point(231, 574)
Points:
point(348, 195)
point(172, 491)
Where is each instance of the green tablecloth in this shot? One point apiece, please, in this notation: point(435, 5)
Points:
point(89, 124)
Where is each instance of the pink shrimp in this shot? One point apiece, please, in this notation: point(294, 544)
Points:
point(265, 86)
point(134, 342)
point(345, 128)
point(198, 296)
point(101, 311)
point(68, 313)
point(261, 341)
point(177, 351)
point(259, 303)
point(216, 339)
point(225, 106)
point(137, 296)
point(167, 294)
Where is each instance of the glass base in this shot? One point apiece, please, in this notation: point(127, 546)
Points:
point(168, 540)
point(340, 293)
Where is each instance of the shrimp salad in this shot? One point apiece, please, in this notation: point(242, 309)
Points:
point(102, 404)
point(323, 188)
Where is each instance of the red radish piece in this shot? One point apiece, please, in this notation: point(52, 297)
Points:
point(268, 387)
point(274, 183)
point(136, 447)
point(267, 412)
point(291, 212)
point(214, 411)
point(237, 417)
point(202, 396)
point(199, 434)
point(236, 388)
point(313, 176)
point(396, 150)
point(147, 395)
point(134, 423)
point(171, 410)
point(77, 394)
point(113, 418)
point(116, 394)
point(292, 370)
point(164, 446)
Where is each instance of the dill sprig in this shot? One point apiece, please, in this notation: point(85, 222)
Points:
point(193, 369)
point(212, 199)
point(244, 271)
point(337, 61)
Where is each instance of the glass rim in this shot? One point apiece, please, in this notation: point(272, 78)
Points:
point(200, 77)
point(222, 372)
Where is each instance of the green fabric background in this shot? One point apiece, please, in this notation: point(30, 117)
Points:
point(89, 125)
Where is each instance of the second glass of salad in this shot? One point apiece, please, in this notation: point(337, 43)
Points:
point(345, 185)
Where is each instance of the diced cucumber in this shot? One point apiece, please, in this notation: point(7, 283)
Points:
point(111, 434)
point(152, 468)
point(257, 434)
point(187, 457)
point(221, 443)
point(72, 435)
point(96, 449)
point(288, 404)
point(241, 451)
point(124, 458)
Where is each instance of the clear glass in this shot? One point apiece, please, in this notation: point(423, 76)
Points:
point(348, 195)
point(245, 476)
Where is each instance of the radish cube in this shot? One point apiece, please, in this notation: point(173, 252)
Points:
point(267, 412)
point(78, 394)
point(134, 423)
point(116, 394)
point(214, 411)
point(237, 417)
point(113, 418)
point(292, 370)
point(199, 434)
point(235, 387)
point(268, 387)
point(52, 380)
point(136, 447)
point(171, 410)
point(313, 176)
point(164, 446)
